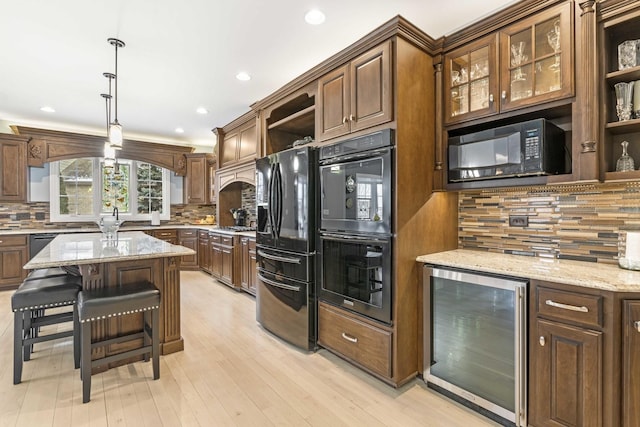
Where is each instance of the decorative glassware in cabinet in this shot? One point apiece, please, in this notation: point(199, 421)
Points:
point(624, 98)
point(520, 65)
point(479, 79)
point(625, 163)
point(548, 56)
point(459, 86)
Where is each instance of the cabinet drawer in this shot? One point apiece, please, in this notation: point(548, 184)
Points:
point(227, 241)
point(214, 238)
point(203, 235)
point(8, 241)
point(163, 234)
point(363, 343)
point(187, 233)
point(569, 306)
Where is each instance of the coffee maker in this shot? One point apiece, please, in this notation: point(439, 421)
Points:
point(239, 217)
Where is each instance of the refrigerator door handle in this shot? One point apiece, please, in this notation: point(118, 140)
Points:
point(278, 285)
point(263, 254)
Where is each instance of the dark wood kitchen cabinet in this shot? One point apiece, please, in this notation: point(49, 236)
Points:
point(204, 251)
point(631, 363)
point(168, 235)
point(198, 180)
point(223, 257)
point(238, 141)
point(189, 239)
point(249, 271)
point(357, 95)
point(13, 255)
point(13, 168)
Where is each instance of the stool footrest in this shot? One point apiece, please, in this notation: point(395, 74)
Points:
point(117, 340)
point(52, 319)
point(48, 337)
point(120, 356)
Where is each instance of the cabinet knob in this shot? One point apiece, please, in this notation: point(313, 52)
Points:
point(351, 117)
point(636, 325)
point(344, 120)
point(542, 341)
point(504, 94)
point(490, 97)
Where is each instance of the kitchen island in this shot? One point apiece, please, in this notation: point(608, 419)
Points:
point(131, 257)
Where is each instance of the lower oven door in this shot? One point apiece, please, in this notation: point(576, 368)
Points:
point(355, 273)
point(286, 308)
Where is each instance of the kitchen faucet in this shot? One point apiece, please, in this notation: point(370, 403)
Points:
point(115, 213)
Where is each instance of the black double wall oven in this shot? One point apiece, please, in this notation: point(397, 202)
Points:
point(355, 231)
point(285, 237)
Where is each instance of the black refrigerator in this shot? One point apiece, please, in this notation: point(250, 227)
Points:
point(285, 234)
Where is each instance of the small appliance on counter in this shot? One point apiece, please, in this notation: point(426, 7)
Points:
point(239, 216)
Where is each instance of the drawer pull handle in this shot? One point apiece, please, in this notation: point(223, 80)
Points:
point(542, 341)
point(636, 325)
point(581, 309)
point(349, 338)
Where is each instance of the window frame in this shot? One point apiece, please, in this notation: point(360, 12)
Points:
point(54, 189)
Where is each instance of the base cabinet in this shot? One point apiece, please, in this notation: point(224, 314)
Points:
point(356, 339)
point(189, 239)
point(249, 271)
point(565, 375)
point(13, 255)
point(204, 251)
point(631, 363)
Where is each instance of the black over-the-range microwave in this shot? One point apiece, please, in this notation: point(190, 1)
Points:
point(535, 147)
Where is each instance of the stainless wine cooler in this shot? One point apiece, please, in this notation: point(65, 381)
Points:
point(475, 340)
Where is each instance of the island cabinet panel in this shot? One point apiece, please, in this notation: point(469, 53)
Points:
point(13, 255)
point(170, 313)
point(631, 363)
point(13, 168)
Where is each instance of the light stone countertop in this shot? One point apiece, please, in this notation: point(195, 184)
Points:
point(89, 248)
point(586, 274)
point(125, 227)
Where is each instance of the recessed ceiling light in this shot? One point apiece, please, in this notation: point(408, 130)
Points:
point(243, 76)
point(47, 109)
point(202, 110)
point(314, 17)
point(179, 130)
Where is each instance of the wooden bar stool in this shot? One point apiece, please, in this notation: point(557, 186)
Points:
point(98, 304)
point(29, 303)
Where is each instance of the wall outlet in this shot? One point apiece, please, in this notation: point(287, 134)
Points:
point(518, 221)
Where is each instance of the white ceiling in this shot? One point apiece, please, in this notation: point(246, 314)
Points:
point(181, 55)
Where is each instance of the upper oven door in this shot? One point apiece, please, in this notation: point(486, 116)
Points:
point(355, 192)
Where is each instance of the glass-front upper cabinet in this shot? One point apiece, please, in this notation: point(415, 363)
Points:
point(534, 65)
point(471, 80)
point(536, 59)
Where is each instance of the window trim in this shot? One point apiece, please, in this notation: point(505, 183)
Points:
point(54, 190)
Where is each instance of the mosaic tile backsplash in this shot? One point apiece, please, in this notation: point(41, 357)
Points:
point(14, 216)
point(578, 222)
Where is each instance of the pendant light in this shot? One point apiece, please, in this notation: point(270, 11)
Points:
point(109, 151)
point(115, 129)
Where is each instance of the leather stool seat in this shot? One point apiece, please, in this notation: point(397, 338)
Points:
point(29, 303)
point(42, 273)
point(97, 304)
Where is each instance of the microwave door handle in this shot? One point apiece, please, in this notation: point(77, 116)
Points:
point(289, 260)
point(278, 284)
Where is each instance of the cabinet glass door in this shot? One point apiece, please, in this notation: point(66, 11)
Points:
point(470, 80)
point(536, 55)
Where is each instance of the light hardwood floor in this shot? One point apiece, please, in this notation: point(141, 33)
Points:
point(231, 373)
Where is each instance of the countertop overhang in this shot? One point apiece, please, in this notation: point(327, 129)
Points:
point(88, 248)
point(127, 228)
point(579, 273)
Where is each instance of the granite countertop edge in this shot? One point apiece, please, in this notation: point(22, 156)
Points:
point(205, 227)
point(608, 277)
